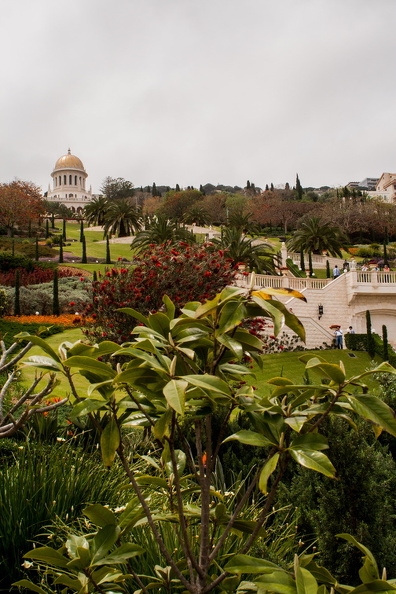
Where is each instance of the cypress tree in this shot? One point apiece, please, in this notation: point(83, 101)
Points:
point(385, 352)
point(328, 271)
point(302, 263)
point(81, 230)
point(154, 190)
point(94, 276)
point(266, 187)
point(299, 190)
point(272, 187)
point(36, 250)
point(177, 188)
point(84, 250)
point(17, 304)
point(64, 230)
point(370, 338)
point(310, 264)
point(108, 257)
point(47, 228)
point(61, 251)
point(53, 220)
point(55, 297)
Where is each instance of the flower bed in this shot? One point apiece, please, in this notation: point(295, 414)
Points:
point(66, 320)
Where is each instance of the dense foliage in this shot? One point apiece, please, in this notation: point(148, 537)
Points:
point(184, 273)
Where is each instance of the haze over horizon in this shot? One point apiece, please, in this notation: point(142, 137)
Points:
point(180, 92)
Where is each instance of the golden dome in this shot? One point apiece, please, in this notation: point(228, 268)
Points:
point(69, 161)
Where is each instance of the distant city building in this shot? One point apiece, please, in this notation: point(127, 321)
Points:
point(69, 178)
point(367, 185)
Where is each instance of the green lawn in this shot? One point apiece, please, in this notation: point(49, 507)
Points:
point(28, 373)
point(275, 365)
point(288, 365)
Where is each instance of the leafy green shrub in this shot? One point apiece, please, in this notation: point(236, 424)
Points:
point(8, 329)
point(72, 290)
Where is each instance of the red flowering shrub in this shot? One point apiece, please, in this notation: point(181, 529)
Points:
point(184, 273)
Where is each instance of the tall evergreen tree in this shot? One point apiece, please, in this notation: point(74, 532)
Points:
point(84, 250)
point(154, 190)
point(177, 188)
point(266, 187)
point(17, 304)
point(302, 263)
point(299, 190)
point(385, 353)
point(82, 230)
point(108, 256)
point(61, 251)
point(64, 230)
point(55, 294)
point(328, 271)
point(370, 337)
point(47, 233)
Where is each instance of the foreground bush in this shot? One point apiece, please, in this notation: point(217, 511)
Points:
point(184, 273)
point(187, 369)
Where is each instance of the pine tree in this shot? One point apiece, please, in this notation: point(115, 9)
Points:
point(154, 190)
point(272, 187)
point(64, 230)
point(94, 276)
point(299, 190)
point(61, 251)
point(328, 271)
point(248, 185)
point(370, 337)
point(108, 257)
point(385, 352)
point(84, 251)
point(47, 233)
point(82, 230)
point(177, 188)
point(266, 187)
point(17, 304)
point(55, 294)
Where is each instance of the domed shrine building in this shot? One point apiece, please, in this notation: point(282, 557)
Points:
point(69, 178)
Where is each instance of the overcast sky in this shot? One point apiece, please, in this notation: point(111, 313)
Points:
point(197, 91)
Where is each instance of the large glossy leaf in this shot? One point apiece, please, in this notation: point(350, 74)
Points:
point(372, 587)
point(208, 307)
point(246, 564)
point(266, 472)
point(109, 442)
point(161, 427)
point(232, 314)
point(370, 568)
point(160, 323)
point(209, 383)
point(39, 342)
point(278, 581)
point(233, 345)
point(175, 394)
point(85, 407)
point(314, 460)
point(247, 340)
point(271, 310)
point(48, 556)
point(121, 554)
point(81, 559)
point(144, 356)
point(310, 441)
point(29, 586)
point(305, 581)
point(104, 540)
point(100, 515)
point(42, 362)
point(250, 438)
point(329, 370)
point(134, 314)
point(91, 365)
point(374, 409)
point(270, 291)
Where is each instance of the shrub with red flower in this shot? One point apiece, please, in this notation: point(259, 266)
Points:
point(186, 273)
point(34, 277)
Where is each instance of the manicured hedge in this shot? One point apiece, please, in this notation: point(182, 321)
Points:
point(9, 329)
point(359, 342)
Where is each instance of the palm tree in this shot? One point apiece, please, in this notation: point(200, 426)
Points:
point(314, 236)
point(161, 230)
point(197, 215)
point(96, 210)
point(121, 219)
point(257, 256)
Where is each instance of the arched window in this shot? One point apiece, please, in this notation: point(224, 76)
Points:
point(64, 179)
point(60, 180)
point(75, 180)
point(71, 196)
point(70, 180)
point(80, 180)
